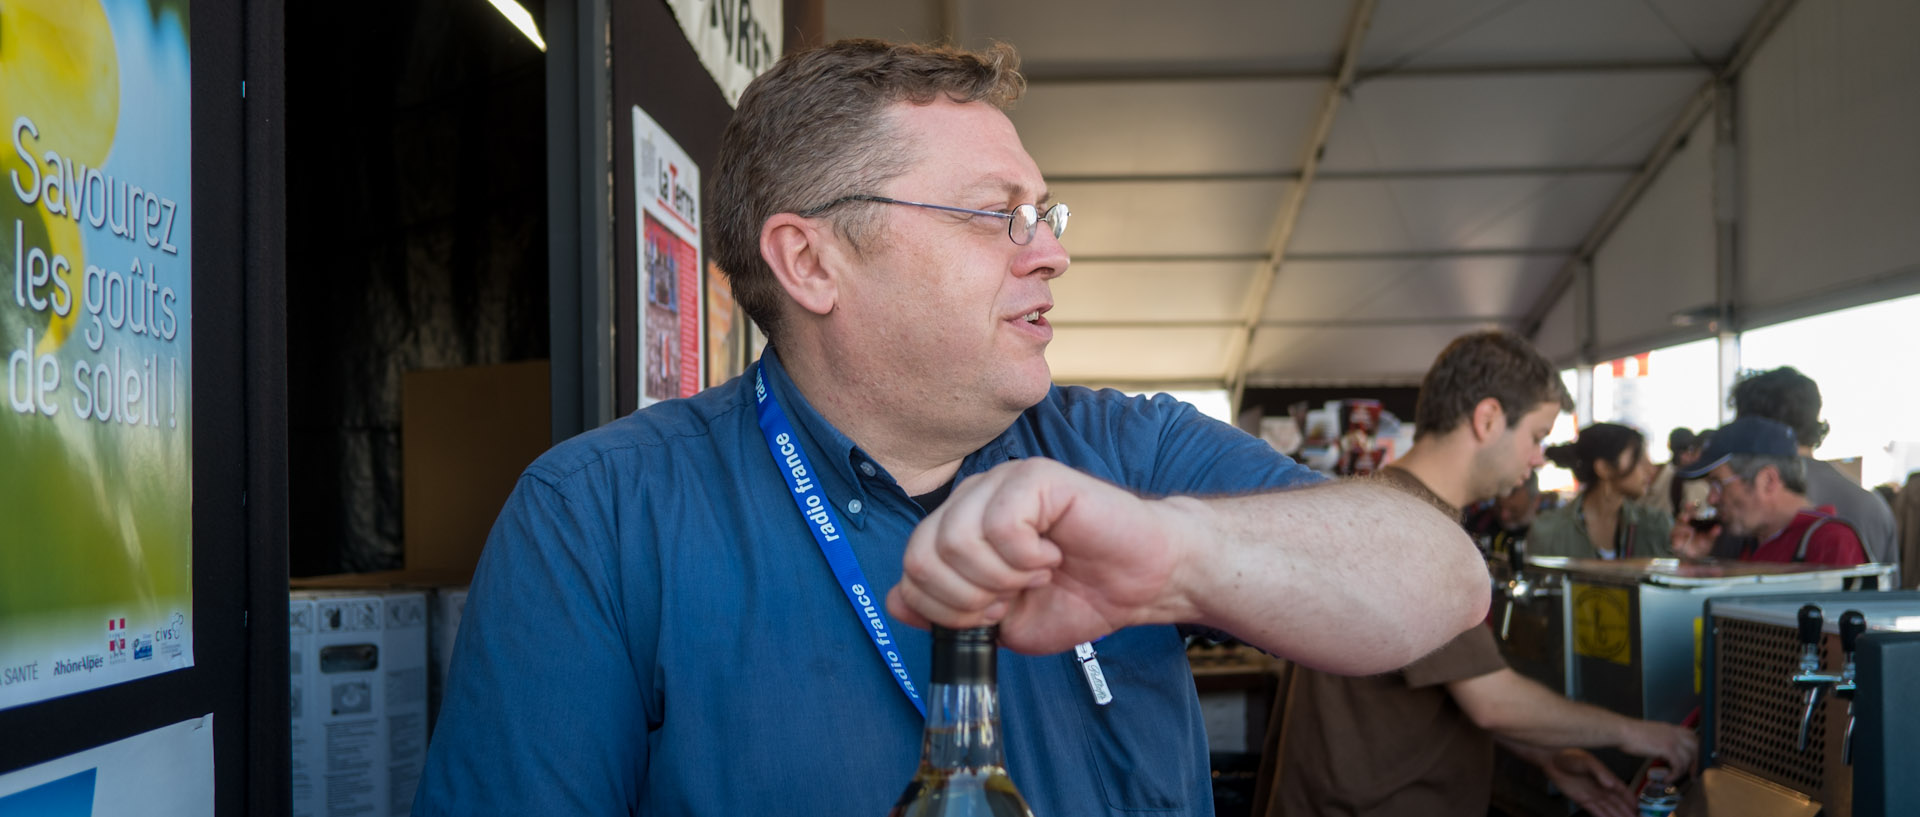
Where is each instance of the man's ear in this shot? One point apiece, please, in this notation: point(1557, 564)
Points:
point(1488, 419)
point(803, 255)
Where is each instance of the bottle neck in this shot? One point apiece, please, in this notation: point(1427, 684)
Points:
point(963, 704)
point(963, 727)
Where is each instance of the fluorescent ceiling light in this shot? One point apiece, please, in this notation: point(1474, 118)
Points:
point(518, 16)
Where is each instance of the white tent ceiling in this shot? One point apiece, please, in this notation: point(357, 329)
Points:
point(1477, 148)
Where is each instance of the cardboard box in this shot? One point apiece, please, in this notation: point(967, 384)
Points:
point(300, 665)
point(385, 580)
point(446, 599)
point(466, 434)
point(406, 697)
point(442, 626)
point(367, 671)
point(360, 722)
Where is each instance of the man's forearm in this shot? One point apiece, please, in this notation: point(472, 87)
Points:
point(1348, 577)
point(1351, 577)
point(1512, 706)
point(1530, 752)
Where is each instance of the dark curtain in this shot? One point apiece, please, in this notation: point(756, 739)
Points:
point(416, 239)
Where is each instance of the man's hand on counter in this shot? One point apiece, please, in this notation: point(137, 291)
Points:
point(1677, 745)
point(1589, 783)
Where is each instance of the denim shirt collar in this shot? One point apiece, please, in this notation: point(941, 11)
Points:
point(839, 461)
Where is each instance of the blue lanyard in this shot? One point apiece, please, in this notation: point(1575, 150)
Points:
point(827, 532)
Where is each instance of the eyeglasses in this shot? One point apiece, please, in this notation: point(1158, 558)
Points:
point(1022, 222)
point(1719, 486)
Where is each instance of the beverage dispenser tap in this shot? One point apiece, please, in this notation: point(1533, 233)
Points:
point(1519, 590)
point(1852, 624)
point(1809, 677)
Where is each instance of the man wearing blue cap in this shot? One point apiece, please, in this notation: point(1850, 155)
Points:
point(1786, 395)
point(1756, 480)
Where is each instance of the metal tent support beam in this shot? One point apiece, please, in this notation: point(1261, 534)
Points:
point(1697, 107)
point(1289, 215)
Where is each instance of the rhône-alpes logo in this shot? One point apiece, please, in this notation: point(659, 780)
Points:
point(117, 639)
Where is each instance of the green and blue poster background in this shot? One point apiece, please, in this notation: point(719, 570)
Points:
point(96, 470)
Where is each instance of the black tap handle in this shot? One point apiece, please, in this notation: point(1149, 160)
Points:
point(1517, 555)
point(1811, 622)
point(1852, 624)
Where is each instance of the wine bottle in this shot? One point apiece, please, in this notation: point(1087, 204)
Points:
point(963, 766)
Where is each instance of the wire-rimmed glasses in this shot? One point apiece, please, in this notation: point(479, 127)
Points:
point(1023, 221)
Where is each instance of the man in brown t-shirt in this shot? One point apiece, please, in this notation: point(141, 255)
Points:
point(1419, 741)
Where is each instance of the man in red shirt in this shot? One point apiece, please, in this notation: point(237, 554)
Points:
point(1757, 481)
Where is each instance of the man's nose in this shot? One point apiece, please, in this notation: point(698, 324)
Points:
point(1044, 256)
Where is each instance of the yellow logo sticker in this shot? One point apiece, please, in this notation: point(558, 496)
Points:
point(1600, 624)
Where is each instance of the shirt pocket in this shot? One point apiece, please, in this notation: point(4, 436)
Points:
point(1148, 744)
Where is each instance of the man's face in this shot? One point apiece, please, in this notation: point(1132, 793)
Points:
point(939, 304)
point(1514, 452)
point(1735, 499)
point(1518, 507)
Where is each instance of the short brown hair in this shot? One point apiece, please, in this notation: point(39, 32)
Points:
point(814, 128)
point(1785, 396)
point(1474, 367)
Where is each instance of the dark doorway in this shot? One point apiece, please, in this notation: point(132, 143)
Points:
point(416, 239)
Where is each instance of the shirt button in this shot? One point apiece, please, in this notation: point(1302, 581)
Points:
point(853, 506)
point(867, 468)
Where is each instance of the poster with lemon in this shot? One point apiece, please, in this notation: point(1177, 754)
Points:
point(96, 259)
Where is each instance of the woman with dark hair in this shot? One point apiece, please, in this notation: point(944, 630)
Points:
point(1604, 522)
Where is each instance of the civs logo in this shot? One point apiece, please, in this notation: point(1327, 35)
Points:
point(172, 639)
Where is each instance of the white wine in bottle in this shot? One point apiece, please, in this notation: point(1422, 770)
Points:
point(963, 767)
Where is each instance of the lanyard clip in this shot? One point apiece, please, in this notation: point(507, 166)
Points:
point(1090, 667)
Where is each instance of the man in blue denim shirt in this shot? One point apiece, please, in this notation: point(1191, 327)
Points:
point(663, 621)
